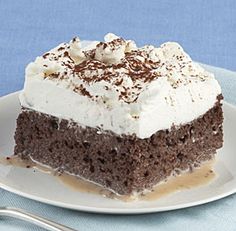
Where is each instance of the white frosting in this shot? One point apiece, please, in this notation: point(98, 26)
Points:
point(182, 92)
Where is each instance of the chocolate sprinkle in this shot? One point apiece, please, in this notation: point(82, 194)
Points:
point(46, 55)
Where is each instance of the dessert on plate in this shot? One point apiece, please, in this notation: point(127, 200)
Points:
point(123, 117)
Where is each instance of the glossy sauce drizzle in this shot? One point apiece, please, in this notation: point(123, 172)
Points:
point(198, 177)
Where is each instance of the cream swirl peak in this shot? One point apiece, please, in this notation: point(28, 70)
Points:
point(118, 64)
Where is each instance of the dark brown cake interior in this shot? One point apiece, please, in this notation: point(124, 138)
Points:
point(121, 163)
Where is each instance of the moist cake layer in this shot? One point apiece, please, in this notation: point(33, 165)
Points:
point(116, 86)
point(122, 163)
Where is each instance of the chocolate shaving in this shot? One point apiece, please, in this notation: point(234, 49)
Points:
point(82, 90)
point(45, 55)
point(61, 48)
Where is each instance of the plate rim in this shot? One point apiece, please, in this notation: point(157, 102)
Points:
point(118, 211)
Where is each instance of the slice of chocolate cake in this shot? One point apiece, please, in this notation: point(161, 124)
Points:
point(120, 116)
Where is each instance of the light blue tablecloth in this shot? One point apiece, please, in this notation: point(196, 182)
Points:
point(206, 29)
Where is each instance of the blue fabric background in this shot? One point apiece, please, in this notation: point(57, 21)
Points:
point(207, 31)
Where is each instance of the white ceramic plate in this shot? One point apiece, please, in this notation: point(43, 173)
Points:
point(45, 188)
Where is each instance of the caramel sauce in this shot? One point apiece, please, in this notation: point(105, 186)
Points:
point(198, 177)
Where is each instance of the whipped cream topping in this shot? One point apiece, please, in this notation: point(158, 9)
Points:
point(117, 86)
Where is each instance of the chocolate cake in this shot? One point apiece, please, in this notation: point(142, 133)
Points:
point(120, 116)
